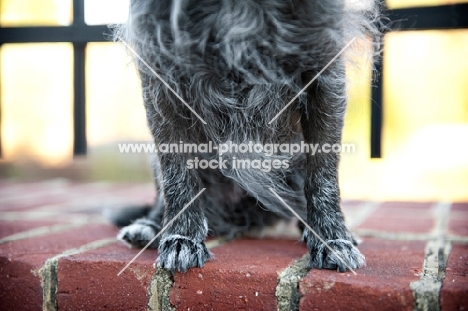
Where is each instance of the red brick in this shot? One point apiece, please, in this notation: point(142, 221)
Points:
point(89, 281)
point(51, 194)
point(351, 209)
point(29, 192)
point(384, 284)
point(352, 203)
point(12, 227)
point(454, 294)
point(71, 195)
point(35, 202)
point(408, 206)
point(458, 221)
point(458, 227)
point(460, 206)
point(19, 288)
point(243, 275)
point(28, 199)
point(398, 224)
point(413, 217)
point(10, 189)
point(352, 206)
point(4, 183)
point(56, 243)
point(21, 260)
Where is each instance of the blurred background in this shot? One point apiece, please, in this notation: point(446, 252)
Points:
point(425, 108)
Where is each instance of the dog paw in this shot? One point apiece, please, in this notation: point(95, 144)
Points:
point(177, 252)
point(344, 256)
point(140, 233)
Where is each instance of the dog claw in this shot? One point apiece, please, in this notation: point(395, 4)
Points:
point(140, 233)
point(345, 256)
point(180, 253)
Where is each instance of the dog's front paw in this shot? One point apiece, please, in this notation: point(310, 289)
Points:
point(140, 233)
point(177, 252)
point(344, 256)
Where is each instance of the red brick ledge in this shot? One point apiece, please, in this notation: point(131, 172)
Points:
point(416, 259)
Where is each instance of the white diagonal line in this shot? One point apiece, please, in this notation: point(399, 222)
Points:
point(313, 231)
point(313, 79)
point(161, 231)
point(162, 80)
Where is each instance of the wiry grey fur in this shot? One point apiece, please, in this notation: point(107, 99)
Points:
point(237, 63)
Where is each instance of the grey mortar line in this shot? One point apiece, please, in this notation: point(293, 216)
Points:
point(17, 192)
point(46, 230)
point(404, 236)
point(426, 290)
point(366, 209)
point(457, 239)
point(408, 236)
point(287, 290)
point(160, 290)
point(75, 203)
point(162, 281)
point(48, 272)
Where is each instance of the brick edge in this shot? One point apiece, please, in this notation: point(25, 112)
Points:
point(48, 272)
point(426, 291)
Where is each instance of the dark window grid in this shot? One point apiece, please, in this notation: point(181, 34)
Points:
point(79, 34)
point(422, 18)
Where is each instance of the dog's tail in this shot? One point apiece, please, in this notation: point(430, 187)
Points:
point(124, 216)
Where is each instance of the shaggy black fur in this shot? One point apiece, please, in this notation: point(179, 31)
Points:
point(237, 63)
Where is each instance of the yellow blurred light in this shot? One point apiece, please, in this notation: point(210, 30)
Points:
point(36, 97)
point(419, 3)
point(425, 150)
point(35, 13)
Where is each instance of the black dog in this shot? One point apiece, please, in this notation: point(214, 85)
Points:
point(237, 64)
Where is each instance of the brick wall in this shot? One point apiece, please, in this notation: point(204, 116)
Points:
point(58, 253)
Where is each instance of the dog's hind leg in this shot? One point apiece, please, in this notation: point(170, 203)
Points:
point(139, 231)
point(322, 123)
point(144, 223)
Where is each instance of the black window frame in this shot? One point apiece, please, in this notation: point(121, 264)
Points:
point(79, 34)
point(443, 17)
